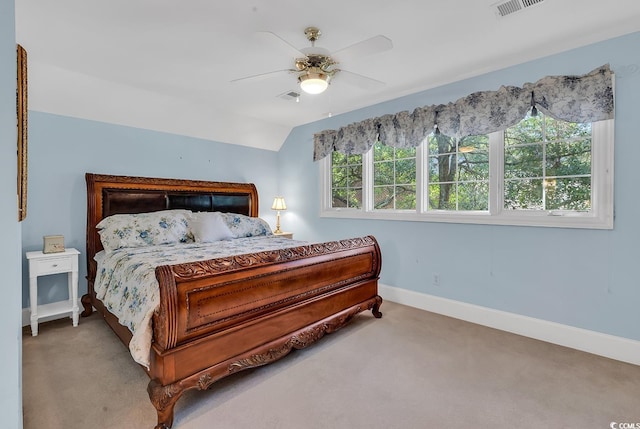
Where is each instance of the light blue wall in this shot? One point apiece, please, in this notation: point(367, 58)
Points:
point(582, 278)
point(63, 149)
point(10, 252)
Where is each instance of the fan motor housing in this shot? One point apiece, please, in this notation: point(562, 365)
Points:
point(323, 62)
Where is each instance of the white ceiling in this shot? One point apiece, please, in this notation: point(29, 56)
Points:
point(166, 65)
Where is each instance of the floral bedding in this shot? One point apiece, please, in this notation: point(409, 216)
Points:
point(126, 282)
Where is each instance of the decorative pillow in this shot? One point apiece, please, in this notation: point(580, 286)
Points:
point(208, 227)
point(246, 226)
point(144, 229)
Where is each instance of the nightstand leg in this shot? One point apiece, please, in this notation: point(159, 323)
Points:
point(33, 302)
point(73, 295)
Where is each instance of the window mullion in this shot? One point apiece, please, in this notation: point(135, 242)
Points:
point(367, 181)
point(326, 183)
point(496, 172)
point(421, 177)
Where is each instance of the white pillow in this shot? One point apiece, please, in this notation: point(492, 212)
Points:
point(207, 227)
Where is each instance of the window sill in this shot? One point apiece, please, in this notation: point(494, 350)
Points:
point(552, 220)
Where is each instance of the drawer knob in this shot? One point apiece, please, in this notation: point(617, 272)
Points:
point(55, 265)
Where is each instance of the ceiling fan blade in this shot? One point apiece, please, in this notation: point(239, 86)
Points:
point(271, 37)
point(359, 80)
point(369, 46)
point(261, 76)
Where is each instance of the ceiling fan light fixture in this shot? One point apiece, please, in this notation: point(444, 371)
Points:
point(313, 82)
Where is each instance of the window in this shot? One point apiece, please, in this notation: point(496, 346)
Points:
point(346, 180)
point(458, 173)
point(539, 172)
point(547, 165)
point(394, 178)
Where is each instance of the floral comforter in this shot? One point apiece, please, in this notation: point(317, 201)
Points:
point(127, 285)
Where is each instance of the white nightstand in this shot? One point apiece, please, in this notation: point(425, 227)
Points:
point(284, 234)
point(42, 264)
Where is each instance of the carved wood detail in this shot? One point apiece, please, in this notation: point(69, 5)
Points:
point(199, 269)
point(164, 398)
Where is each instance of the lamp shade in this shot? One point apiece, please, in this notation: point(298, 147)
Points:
point(314, 81)
point(278, 204)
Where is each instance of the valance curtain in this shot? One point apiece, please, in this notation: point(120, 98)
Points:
point(586, 98)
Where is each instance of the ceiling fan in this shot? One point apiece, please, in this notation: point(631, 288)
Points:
point(315, 67)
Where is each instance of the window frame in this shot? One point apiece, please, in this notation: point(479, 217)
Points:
point(602, 199)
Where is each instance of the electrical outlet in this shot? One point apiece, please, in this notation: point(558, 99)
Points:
point(436, 279)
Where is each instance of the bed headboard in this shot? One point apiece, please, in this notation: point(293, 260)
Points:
point(108, 195)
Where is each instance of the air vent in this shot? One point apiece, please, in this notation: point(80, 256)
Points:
point(290, 96)
point(510, 7)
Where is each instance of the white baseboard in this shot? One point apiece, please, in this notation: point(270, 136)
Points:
point(610, 346)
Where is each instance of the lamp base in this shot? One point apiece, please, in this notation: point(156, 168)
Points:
point(278, 230)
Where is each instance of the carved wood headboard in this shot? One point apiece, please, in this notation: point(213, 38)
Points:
point(108, 195)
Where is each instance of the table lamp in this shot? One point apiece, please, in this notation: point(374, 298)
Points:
point(278, 204)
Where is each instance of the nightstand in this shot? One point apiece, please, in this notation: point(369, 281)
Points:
point(284, 234)
point(43, 264)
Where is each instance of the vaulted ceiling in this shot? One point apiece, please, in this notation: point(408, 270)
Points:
point(167, 65)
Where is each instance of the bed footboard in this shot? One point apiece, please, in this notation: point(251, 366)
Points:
point(221, 316)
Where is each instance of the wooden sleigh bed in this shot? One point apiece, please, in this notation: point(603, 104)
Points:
point(220, 316)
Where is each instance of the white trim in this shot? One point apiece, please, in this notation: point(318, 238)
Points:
point(610, 346)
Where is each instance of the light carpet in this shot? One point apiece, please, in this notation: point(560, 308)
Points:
point(410, 369)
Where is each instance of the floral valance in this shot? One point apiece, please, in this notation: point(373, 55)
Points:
point(586, 98)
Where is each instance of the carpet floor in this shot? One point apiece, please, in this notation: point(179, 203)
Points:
point(410, 369)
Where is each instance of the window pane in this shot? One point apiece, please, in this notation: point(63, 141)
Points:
point(440, 144)
point(339, 177)
point(523, 161)
point(433, 168)
point(405, 153)
point(473, 165)
point(569, 159)
point(338, 158)
point(442, 168)
point(355, 198)
point(346, 180)
point(406, 171)
point(383, 173)
point(394, 178)
point(354, 159)
point(568, 194)
point(405, 197)
point(458, 180)
point(525, 194)
point(473, 196)
point(442, 196)
point(557, 167)
point(339, 197)
point(383, 197)
point(354, 177)
point(382, 152)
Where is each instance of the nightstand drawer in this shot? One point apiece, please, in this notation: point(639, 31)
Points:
point(52, 266)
